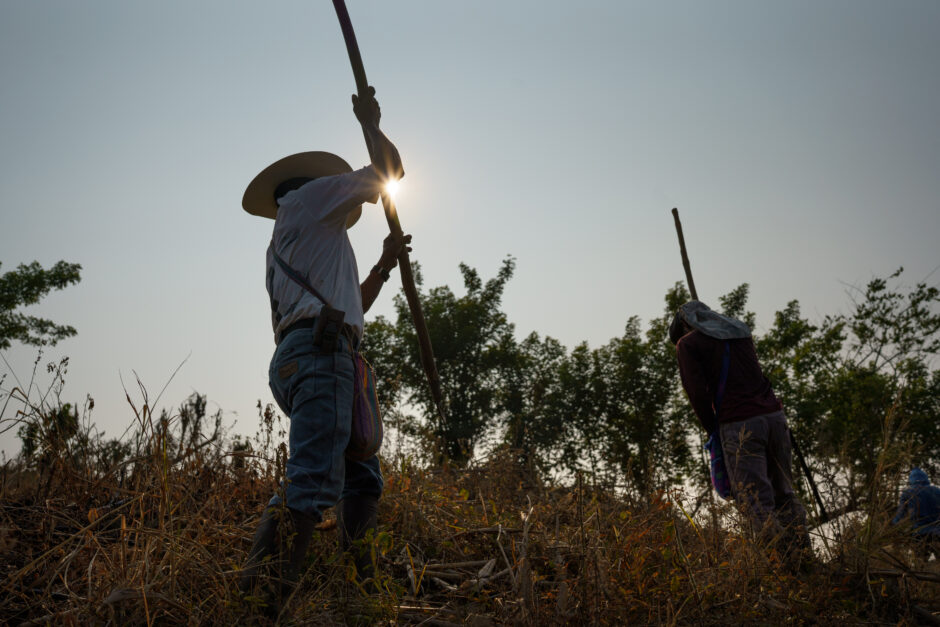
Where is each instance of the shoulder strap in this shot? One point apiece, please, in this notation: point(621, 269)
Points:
point(296, 278)
point(723, 377)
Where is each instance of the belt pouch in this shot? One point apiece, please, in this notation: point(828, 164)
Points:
point(327, 329)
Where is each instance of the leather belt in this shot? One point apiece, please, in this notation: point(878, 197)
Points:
point(348, 331)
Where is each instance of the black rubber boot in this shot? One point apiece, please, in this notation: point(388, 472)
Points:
point(277, 554)
point(264, 545)
point(296, 549)
point(355, 516)
point(798, 550)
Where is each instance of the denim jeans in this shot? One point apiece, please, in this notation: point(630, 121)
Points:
point(315, 390)
point(757, 455)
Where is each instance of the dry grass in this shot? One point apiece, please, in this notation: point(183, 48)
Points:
point(159, 539)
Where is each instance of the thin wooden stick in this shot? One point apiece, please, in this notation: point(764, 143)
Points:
point(701, 440)
point(685, 255)
point(453, 565)
point(809, 478)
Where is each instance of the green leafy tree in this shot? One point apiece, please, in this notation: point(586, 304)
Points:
point(472, 342)
point(578, 411)
point(643, 439)
point(25, 286)
point(614, 411)
point(856, 382)
point(734, 304)
point(885, 389)
point(801, 360)
point(530, 400)
point(893, 327)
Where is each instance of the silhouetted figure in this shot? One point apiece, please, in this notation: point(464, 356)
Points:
point(920, 504)
point(734, 401)
point(317, 306)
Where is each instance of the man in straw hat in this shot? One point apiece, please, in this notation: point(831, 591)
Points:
point(734, 401)
point(317, 305)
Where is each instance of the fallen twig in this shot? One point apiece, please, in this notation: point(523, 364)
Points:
point(913, 574)
point(455, 565)
point(497, 529)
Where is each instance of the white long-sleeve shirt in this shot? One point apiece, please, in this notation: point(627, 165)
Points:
point(310, 235)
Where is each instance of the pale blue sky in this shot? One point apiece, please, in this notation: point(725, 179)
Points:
point(800, 141)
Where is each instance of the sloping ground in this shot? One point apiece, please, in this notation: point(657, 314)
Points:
point(484, 546)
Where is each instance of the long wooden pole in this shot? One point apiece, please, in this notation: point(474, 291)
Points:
point(691, 284)
point(391, 216)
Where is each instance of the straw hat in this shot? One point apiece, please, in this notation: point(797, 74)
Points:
point(259, 197)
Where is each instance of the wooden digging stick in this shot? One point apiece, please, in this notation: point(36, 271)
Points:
point(691, 284)
point(391, 216)
point(685, 255)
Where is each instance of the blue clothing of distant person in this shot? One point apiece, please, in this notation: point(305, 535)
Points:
point(920, 502)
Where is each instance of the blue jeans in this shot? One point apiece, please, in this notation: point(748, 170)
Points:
point(315, 390)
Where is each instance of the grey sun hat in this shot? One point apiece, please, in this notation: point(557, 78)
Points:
point(698, 316)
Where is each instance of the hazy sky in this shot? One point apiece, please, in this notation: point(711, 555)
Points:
point(800, 141)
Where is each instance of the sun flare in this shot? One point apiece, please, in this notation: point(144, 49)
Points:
point(392, 187)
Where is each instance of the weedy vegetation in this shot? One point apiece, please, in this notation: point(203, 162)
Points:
point(155, 529)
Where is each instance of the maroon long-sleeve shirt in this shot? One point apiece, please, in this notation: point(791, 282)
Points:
point(747, 390)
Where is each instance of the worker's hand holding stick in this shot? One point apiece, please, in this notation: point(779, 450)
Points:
point(392, 248)
point(382, 151)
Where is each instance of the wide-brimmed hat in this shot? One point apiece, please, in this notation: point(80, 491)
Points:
point(259, 197)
